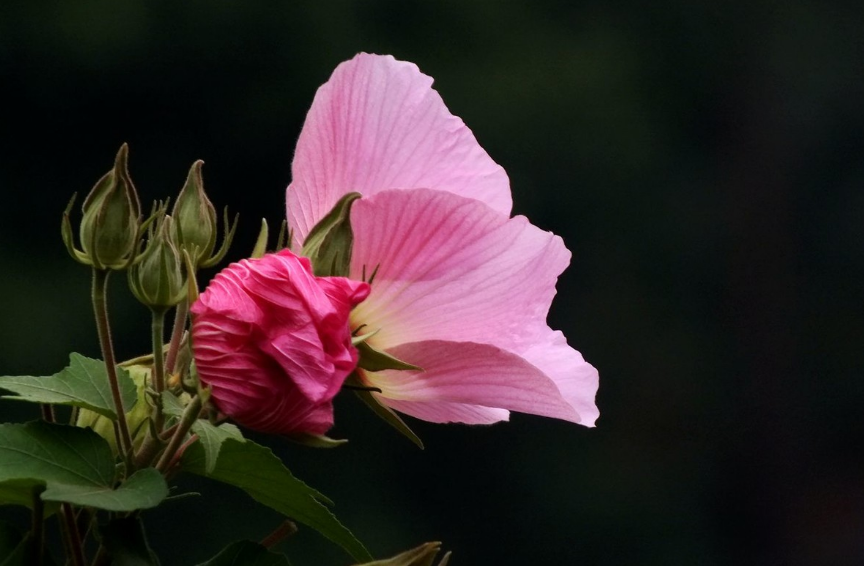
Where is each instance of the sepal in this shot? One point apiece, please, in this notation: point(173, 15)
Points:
point(423, 555)
point(328, 245)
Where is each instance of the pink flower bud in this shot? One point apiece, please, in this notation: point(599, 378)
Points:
point(273, 342)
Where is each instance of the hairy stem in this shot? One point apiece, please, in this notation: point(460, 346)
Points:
point(100, 310)
point(158, 333)
point(180, 315)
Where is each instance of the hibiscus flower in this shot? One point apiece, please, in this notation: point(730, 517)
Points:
point(461, 289)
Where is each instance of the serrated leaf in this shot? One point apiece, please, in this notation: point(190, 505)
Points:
point(126, 543)
point(257, 471)
point(246, 553)
point(84, 383)
point(74, 465)
point(142, 490)
point(211, 438)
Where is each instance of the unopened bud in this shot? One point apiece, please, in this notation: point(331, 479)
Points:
point(157, 279)
point(194, 216)
point(112, 218)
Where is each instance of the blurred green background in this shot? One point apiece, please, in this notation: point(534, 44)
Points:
point(703, 161)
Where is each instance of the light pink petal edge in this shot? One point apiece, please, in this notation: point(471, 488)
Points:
point(378, 124)
point(475, 374)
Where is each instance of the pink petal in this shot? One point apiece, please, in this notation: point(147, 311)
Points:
point(470, 373)
point(451, 268)
point(377, 124)
point(575, 378)
point(441, 412)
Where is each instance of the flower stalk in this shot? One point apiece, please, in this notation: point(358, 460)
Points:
point(100, 310)
point(190, 415)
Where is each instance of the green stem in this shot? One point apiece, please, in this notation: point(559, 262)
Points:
point(37, 529)
point(70, 530)
point(100, 310)
point(180, 315)
point(158, 334)
point(47, 412)
point(190, 415)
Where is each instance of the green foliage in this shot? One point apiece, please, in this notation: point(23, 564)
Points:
point(75, 465)
point(246, 553)
point(211, 437)
point(84, 384)
point(126, 543)
point(257, 471)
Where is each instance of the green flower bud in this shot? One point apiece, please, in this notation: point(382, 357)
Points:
point(112, 218)
point(194, 216)
point(157, 279)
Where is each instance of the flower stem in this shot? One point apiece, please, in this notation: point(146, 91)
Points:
point(71, 532)
point(190, 415)
point(180, 315)
point(158, 335)
point(280, 533)
point(37, 530)
point(100, 310)
point(47, 412)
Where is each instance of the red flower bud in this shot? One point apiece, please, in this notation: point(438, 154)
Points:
point(273, 342)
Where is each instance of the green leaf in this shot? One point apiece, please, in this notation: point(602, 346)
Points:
point(84, 383)
point(142, 490)
point(211, 438)
point(376, 360)
point(256, 470)
point(171, 405)
point(246, 553)
point(126, 543)
point(75, 465)
point(330, 242)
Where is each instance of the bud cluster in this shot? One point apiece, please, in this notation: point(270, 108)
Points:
point(114, 237)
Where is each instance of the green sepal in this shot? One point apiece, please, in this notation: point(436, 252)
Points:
point(423, 555)
point(230, 229)
point(376, 360)
point(317, 440)
point(261, 243)
point(389, 416)
point(195, 221)
point(328, 245)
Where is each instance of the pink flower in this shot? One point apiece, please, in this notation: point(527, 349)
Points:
point(462, 290)
point(272, 342)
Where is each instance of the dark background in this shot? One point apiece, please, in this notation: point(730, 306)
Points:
point(704, 163)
